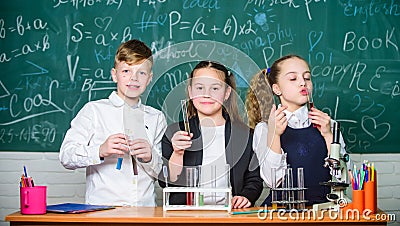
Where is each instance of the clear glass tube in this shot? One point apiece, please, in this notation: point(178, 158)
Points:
point(273, 187)
point(185, 115)
point(284, 186)
point(214, 183)
point(227, 179)
point(192, 180)
point(300, 185)
point(290, 187)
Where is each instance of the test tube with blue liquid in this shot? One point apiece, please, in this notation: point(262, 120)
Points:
point(119, 163)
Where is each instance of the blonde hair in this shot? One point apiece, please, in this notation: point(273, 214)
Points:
point(230, 106)
point(259, 99)
point(133, 52)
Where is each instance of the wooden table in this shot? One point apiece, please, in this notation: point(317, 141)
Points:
point(155, 216)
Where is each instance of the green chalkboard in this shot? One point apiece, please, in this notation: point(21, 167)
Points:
point(55, 56)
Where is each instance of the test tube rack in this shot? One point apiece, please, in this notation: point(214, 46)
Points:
point(197, 205)
point(292, 197)
point(287, 202)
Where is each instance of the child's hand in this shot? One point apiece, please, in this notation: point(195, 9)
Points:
point(322, 120)
point(115, 144)
point(181, 140)
point(277, 121)
point(240, 202)
point(141, 149)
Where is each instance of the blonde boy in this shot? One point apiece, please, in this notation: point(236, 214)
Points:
point(99, 136)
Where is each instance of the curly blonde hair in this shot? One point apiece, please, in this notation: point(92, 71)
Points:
point(259, 99)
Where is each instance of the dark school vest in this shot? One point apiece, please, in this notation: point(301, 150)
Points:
point(307, 148)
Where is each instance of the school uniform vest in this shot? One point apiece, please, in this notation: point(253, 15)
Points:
point(307, 148)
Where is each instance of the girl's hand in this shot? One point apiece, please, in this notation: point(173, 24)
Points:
point(322, 120)
point(114, 144)
point(141, 149)
point(240, 202)
point(181, 140)
point(277, 121)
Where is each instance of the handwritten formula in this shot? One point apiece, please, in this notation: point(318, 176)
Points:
point(55, 56)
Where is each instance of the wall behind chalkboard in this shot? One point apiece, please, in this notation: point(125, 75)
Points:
point(56, 55)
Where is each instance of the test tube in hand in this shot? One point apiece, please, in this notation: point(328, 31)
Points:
point(119, 163)
point(121, 157)
point(129, 140)
point(310, 99)
point(185, 115)
point(310, 103)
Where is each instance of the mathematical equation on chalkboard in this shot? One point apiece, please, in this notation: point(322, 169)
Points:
point(56, 56)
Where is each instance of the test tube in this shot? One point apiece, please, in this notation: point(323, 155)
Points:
point(129, 138)
point(201, 183)
point(165, 173)
point(134, 163)
point(277, 101)
point(310, 103)
point(185, 115)
point(273, 191)
point(290, 187)
point(214, 183)
point(300, 185)
point(310, 99)
point(227, 177)
point(119, 163)
point(192, 180)
point(284, 186)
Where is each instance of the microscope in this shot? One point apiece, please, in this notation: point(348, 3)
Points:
point(338, 167)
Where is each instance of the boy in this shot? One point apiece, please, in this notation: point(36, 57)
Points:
point(99, 134)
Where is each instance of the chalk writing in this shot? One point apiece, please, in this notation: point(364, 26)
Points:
point(77, 4)
point(367, 9)
point(351, 41)
point(55, 56)
point(21, 110)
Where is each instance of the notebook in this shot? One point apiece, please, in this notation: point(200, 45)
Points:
point(76, 208)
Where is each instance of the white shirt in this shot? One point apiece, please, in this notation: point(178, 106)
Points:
point(106, 185)
point(269, 159)
point(214, 170)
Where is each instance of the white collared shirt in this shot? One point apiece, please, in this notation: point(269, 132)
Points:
point(268, 159)
point(106, 185)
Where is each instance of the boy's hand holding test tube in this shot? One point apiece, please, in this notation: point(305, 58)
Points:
point(114, 145)
point(140, 149)
point(128, 139)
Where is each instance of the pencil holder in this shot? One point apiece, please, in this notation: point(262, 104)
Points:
point(370, 196)
point(33, 200)
point(358, 200)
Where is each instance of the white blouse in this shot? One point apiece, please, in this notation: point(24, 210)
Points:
point(269, 159)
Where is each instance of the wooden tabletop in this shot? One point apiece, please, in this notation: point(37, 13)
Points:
point(150, 216)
